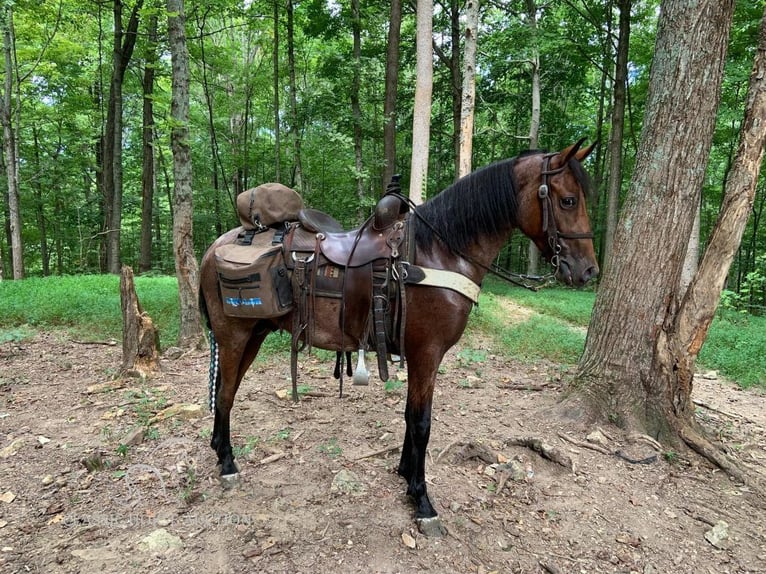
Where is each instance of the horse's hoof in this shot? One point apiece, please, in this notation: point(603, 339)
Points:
point(229, 481)
point(431, 527)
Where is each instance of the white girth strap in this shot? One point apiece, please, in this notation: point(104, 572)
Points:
point(442, 278)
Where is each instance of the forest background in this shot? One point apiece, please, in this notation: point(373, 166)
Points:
point(294, 92)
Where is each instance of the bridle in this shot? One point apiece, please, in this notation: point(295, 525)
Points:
point(549, 219)
point(548, 227)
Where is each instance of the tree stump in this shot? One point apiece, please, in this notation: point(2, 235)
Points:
point(140, 338)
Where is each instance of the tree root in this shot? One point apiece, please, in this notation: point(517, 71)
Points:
point(706, 449)
point(543, 449)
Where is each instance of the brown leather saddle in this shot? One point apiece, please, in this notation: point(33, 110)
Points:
point(360, 267)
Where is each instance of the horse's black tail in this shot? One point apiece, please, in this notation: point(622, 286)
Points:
point(214, 374)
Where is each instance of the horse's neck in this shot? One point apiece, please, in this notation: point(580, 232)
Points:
point(474, 261)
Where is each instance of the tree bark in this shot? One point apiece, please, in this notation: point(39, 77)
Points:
point(356, 110)
point(187, 272)
point(626, 373)
point(10, 148)
point(421, 121)
point(147, 171)
point(140, 338)
point(533, 254)
point(122, 51)
point(297, 179)
point(392, 84)
point(614, 182)
point(678, 346)
point(275, 58)
point(469, 87)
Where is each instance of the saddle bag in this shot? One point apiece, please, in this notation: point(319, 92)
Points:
point(252, 276)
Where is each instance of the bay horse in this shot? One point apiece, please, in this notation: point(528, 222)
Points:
point(462, 230)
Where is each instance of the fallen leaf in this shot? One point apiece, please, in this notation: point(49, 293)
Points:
point(408, 540)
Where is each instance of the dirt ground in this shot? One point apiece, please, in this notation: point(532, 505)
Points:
point(96, 475)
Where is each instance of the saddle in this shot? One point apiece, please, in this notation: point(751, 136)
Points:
point(360, 267)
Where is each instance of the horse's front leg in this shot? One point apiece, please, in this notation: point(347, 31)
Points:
point(412, 465)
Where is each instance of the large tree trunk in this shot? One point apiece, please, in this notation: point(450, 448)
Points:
point(10, 148)
point(678, 347)
point(469, 87)
point(392, 84)
point(147, 171)
point(421, 122)
point(187, 273)
point(626, 373)
point(614, 183)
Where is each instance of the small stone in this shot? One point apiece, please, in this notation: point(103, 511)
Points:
point(282, 394)
point(718, 535)
point(408, 540)
point(43, 440)
point(710, 375)
point(183, 412)
point(12, 448)
point(47, 480)
point(3, 523)
point(134, 438)
point(7, 497)
point(173, 353)
point(160, 540)
point(597, 437)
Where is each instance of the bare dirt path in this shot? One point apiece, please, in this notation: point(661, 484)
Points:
point(89, 484)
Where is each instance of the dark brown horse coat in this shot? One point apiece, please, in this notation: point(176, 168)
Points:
point(461, 230)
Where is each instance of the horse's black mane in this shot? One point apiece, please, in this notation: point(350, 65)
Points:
point(483, 202)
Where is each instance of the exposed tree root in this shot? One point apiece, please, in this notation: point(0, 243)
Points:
point(702, 446)
point(543, 449)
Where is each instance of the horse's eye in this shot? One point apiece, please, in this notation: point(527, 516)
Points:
point(568, 202)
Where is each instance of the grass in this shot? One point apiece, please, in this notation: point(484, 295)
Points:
point(88, 306)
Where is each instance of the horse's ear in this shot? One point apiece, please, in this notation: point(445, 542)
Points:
point(574, 151)
point(583, 153)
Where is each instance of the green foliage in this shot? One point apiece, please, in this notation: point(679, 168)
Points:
point(331, 448)
point(393, 385)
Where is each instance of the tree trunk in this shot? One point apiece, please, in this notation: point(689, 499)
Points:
point(356, 110)
point(614, 183)
point(275, 58)
point(533, 263)
point(123, 45)
point(147, 171)
point(469, 87)
point(140, 338)
point(678, 347)
point(187, 273)
point(297, 179)
point(10, 148)
point(627, 373)
point(392, 84)
point(421, 122)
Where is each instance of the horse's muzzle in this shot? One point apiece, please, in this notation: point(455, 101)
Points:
point(576, 273)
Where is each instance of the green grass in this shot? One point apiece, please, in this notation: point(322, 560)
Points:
point(88, 306)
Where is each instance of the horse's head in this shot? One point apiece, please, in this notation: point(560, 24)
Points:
point(552, 211)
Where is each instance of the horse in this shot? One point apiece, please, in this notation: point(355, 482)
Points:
point(461, 230)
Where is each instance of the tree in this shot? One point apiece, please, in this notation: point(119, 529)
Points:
point(297, 179)
point(147, 170)
point(124, 41)
point(392, 83)
point(356, 110)
point(533, 264)
point(614, 183)
point(10, 144)
point(469, 87)
point(630, 371)
point(187, 272)
point(421, 121)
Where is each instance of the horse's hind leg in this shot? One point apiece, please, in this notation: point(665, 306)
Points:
point(234, 358)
